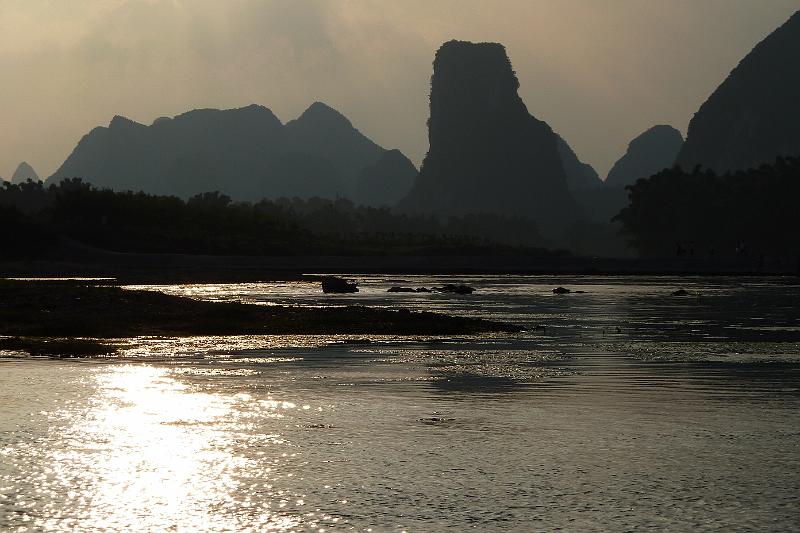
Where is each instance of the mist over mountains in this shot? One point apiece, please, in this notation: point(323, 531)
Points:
point(488, 155)
point(247, 153)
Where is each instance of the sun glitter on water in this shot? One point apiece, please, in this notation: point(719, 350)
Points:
point(161, 457)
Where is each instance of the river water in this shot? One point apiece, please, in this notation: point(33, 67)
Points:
point(620, 408)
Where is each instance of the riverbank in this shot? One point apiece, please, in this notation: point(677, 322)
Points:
point(127, 268)
point(34, 311)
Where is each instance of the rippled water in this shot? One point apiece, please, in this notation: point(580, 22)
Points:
point(626, 409)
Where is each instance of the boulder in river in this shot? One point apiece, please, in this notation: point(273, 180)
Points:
point(561, 290)
point(455, 289)
point(332, 284)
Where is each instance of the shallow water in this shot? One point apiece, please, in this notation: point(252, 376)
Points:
point(628, 409)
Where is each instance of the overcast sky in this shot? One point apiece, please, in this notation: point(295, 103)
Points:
point(598, 71)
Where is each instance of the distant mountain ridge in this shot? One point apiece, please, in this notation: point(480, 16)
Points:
point(580, 176)
point(23, 173)
point(487, 153)
point(323, 131)
point(754, 115)
point(385, 182)
point(246, 153)
point(649, 153)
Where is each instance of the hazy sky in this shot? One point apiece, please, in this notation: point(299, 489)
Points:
point(598, 71)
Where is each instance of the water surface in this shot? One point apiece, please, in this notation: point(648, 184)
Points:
point(625, 409)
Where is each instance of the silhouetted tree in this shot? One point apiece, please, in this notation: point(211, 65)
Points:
point(700, 213)
point(210, 223)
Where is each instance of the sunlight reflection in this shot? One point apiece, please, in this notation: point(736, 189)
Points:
point(156, 455)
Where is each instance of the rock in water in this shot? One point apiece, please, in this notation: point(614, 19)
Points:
point(401, 289)
point(487, 153)
point(455, 289)
point(24, 173)
point(649, 153)
point(754, 116)
point(332, 284)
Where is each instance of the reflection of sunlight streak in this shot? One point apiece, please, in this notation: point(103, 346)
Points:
point(153, 454)
point(233, 347)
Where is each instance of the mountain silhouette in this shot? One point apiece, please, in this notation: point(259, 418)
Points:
point(579, 175)
point(387, 181)
point(487, 153)
point(754, 115)
point(324, 132)
point(24, 173)
point(649, 153)
point(246, 153)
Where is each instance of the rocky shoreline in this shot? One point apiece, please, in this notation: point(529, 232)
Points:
point(33, 314)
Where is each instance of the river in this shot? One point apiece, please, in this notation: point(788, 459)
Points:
point(621, 407)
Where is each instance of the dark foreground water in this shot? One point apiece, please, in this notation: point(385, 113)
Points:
point(628, 409)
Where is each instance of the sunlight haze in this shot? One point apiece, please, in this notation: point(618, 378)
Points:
point(599, 73)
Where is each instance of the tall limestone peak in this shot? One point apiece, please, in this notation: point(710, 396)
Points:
point(24, 173)
point(487, 153)
point(647, 154)
point(754, 115)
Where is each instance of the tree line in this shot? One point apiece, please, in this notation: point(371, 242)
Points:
point(751, 213)
point(36, 215)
